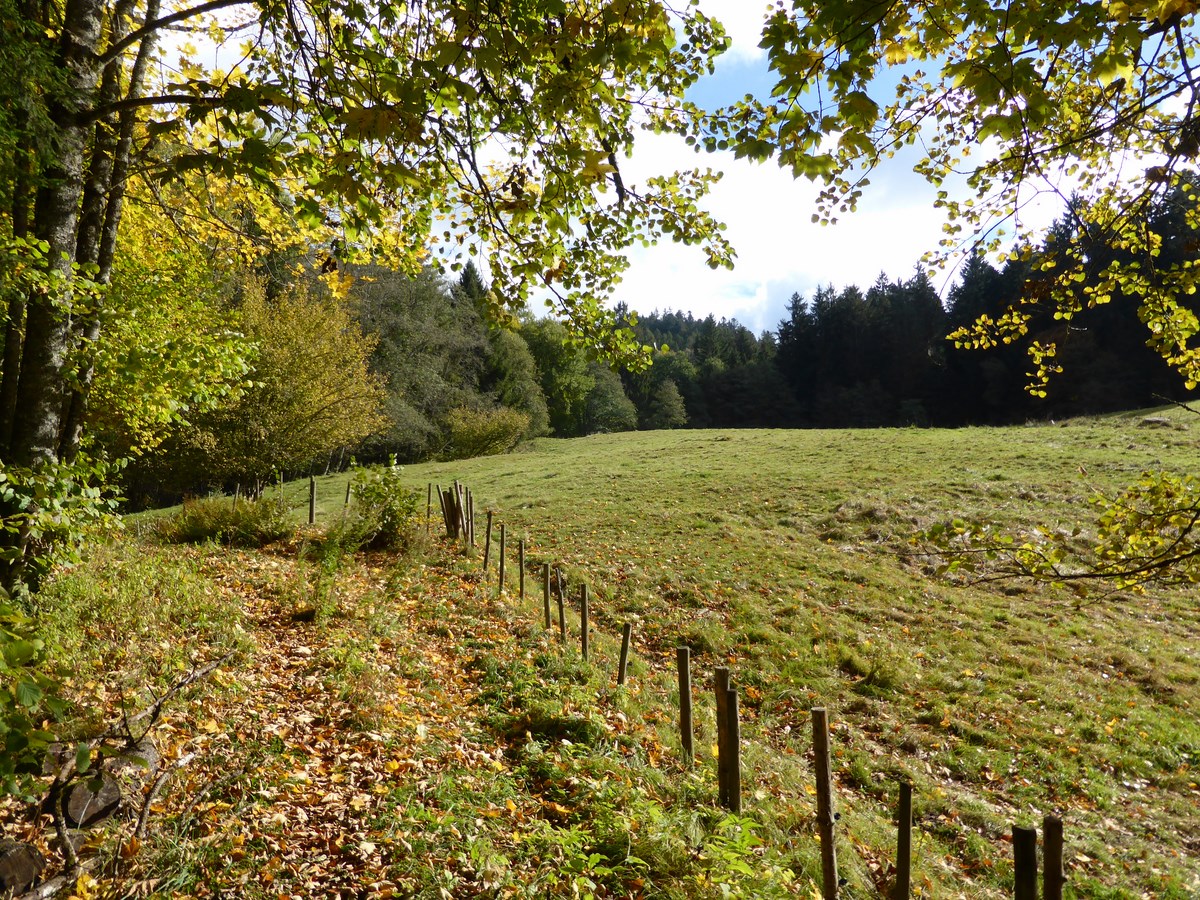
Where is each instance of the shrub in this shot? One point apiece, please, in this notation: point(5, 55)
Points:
point(384, 515)
point(483, 432)
point(237, 523)
point(27, 697)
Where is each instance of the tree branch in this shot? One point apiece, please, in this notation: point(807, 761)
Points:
point(134, 36)
point(135, 102)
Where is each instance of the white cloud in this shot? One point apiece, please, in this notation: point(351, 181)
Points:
point(743, 21)
point(780, 250)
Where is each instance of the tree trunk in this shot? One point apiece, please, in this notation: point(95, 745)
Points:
point(37, 425)
point(103, 200)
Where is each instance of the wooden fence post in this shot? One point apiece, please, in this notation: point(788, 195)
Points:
point(350, 484)
point(721, 692)
point(546, 593)
point(312, 499)
point(521, 565)
point(501, 579)
point(825, 820)
point(583, 621)
point(428, 505)
point(626, 634)
point(562, 608)
point(904, 844)
point(1024, 841)
point(460, 491)
point(733, 738)
point(470, 517)
point(487, 541)
point(683, 661)
point(1053, 878)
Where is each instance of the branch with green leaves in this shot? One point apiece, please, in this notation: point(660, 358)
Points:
point(1148, 534)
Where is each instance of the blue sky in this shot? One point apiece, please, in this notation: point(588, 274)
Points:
point(780, 252)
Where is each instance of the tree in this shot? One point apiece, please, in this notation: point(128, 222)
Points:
point(351, 116)
point(311, 394)
point(606, 408)
point(431, 349)
point(564, 374)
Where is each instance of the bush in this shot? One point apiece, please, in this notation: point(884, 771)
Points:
point(237, 523)
point(385, 512)
point(27, 697)
point(483, 432)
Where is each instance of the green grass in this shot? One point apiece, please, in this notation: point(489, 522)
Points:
point(785, 555)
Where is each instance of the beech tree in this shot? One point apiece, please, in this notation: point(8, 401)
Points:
point(498, 128)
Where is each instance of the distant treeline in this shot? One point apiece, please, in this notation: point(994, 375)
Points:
point(880, 356)
point(421, 369)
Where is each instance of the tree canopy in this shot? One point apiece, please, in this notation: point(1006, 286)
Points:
point(400, 128)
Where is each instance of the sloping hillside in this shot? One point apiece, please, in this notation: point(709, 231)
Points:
point(423, 736)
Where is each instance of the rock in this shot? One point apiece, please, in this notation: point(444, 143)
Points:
point(20, 866)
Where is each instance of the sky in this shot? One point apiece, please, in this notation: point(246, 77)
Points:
point(767, 213)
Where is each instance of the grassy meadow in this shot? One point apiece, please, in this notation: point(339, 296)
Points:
point(786, 555)
point(427, 737)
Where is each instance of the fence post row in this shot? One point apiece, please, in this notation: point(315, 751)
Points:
point(458, 512)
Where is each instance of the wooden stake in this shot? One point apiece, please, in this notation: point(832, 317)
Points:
point(1053, 878)
point(562, 609)
point(583, 621)
point(733, 738)
point(546, 593)
point(904, 844)
point(350, 485)
point(471, 514)
point(626, 634)
point(521, 565)
point(825, 820)
point(683, 660)
point(487, 541)
point(428, 505)
point(312, 499)
point(721, 692)
point(501, 591)
point(1024, 841)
